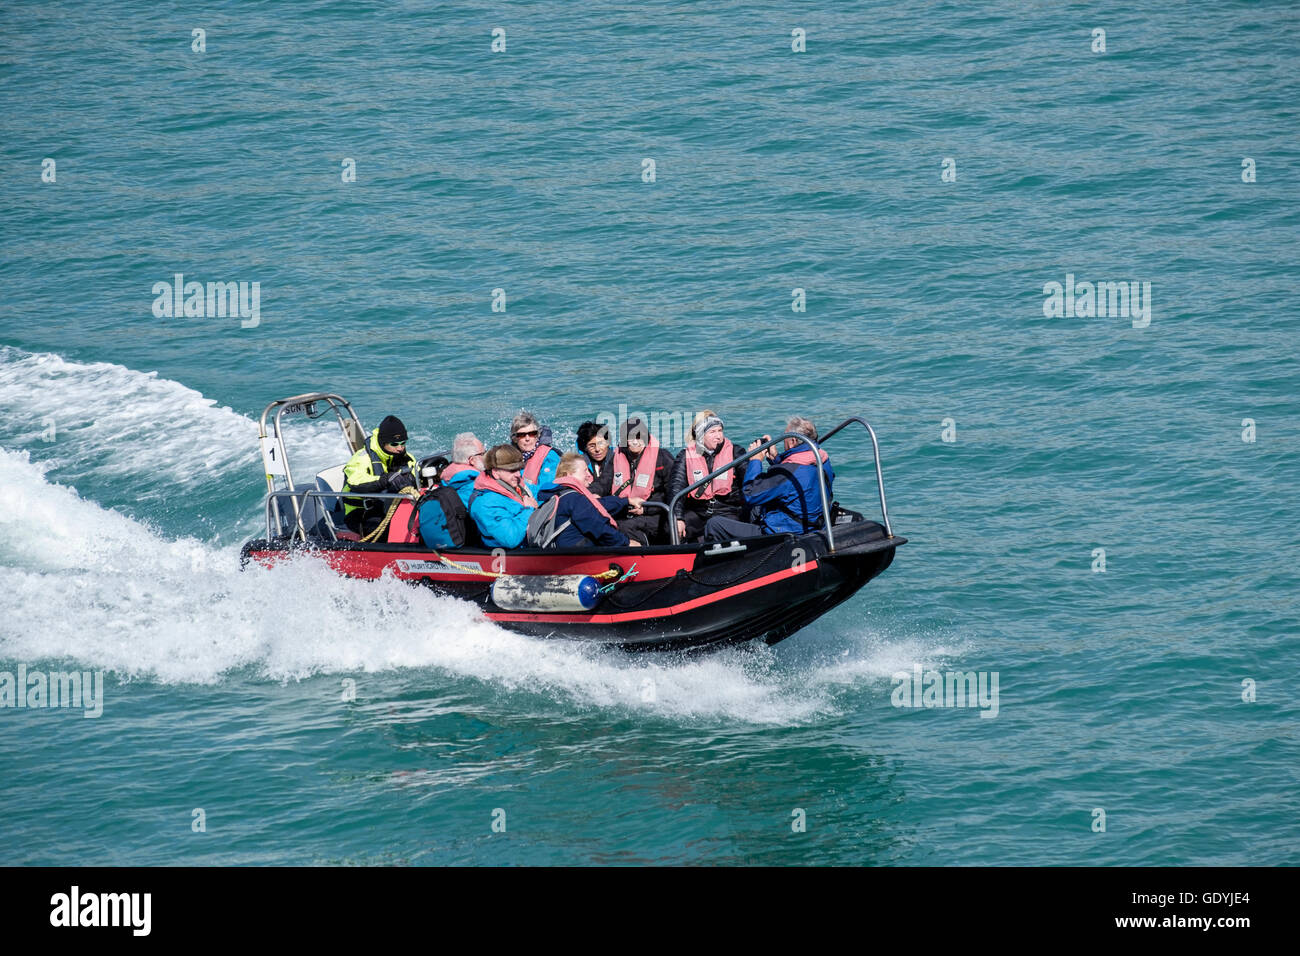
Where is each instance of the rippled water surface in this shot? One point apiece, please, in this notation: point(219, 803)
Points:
point(130, 472)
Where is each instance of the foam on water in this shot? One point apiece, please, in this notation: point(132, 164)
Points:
point(129, 429)
point(113, 593)
point(872, 657)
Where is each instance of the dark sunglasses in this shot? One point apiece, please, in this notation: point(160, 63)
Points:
point(527, 434)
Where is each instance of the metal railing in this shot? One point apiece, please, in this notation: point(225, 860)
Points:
point(875, 454)
point(821, 477)
point(761, 449)
point(272, 441)
point(275, 521)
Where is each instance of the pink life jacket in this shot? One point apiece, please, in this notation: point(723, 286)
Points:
point(572, 481)
point(533, 466)
point(455, 468)
point(643, 482)
point(485, 482)
point(697, 468)
point(802, 457)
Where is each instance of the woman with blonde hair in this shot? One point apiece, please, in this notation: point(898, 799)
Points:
point(707, 448)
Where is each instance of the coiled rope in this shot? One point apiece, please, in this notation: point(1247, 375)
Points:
point(613, 573)
point(383, 525)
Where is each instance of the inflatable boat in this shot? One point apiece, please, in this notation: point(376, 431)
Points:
point(674, 596)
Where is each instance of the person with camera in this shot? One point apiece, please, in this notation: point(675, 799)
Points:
point(784, 499)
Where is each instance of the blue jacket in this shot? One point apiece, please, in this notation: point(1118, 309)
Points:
point(463, 484)
point(785, 499)
point(589, 529)
point(545, 477)
point(501, 521)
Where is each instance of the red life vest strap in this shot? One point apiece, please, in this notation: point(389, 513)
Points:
point(455, 468)
point(572, 481)
point(802, 457)
point(485, 482)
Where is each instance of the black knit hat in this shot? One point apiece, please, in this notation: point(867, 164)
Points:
point(392, 431)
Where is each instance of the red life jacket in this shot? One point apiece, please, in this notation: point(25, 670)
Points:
point(572, 481)
point(642, 483)
point(404, 527)
point(697, 468)
point(455, 468)
point(533, 466)
point(802, 457)
point(485, 482)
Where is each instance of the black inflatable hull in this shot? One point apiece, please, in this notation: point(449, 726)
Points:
point(685, 597)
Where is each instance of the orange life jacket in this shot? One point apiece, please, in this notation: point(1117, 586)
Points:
point(455, 468)
point(802, 457)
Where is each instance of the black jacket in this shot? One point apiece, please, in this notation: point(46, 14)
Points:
point(663, 469)
point(587, 528)
point(603, 471)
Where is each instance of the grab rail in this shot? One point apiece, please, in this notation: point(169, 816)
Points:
point(273, 518)
point(272, 441)
point(821, 484)
point(275, 521)
point(297, 498)
point(875, 453)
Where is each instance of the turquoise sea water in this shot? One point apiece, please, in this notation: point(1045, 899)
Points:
point(130, 474)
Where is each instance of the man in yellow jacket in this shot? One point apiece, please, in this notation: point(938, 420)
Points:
point(383, 465)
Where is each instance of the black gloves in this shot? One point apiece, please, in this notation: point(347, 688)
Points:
point(395, 481)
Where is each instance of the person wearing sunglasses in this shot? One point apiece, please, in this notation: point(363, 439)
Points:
point(383, 465)
point(581, 519)
point(540, 459)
